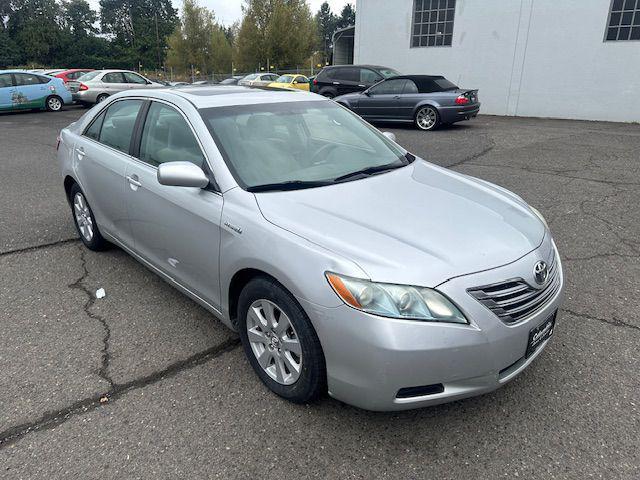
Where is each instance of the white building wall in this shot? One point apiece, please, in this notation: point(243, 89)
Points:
point(542, 58)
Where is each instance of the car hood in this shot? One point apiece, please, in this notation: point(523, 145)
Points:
point(419, 225)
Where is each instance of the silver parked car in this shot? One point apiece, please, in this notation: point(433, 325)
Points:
point(345, 263)
point(258, 79)
point(96, 86)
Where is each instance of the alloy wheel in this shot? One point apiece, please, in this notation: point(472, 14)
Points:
point(426, 118)
point(54, 104)
point(274, 341)
point(83, 216)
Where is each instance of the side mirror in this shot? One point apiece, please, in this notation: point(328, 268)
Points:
point(182, 174)
point(367, 93)
point(390, 136)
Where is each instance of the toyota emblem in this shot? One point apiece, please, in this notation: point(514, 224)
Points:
point(540, 272)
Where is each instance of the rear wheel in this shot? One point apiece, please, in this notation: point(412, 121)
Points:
point(84, 220)
point(427, 118)
point(101, 98)
point(54, 103)
point(280, 341)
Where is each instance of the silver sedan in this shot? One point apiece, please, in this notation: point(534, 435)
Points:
point(98, 85)
point(346, 264)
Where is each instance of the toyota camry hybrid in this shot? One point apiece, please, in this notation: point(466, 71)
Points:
point(346, 264)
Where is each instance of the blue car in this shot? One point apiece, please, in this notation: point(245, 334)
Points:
point(20, 90)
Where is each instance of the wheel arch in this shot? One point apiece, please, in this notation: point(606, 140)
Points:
point(426, 103)
point(69, 182)
point(239, 280)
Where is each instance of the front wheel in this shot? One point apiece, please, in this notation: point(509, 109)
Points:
point(427, 118)
point(280, 342)
point(54, 103)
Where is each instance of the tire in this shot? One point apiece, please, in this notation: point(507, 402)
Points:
point(53, 103)
point(84, 221)
point(101, 98)
point(275, 344)
point(328, 93)
point(427, 118)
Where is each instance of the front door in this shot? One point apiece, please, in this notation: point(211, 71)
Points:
point(177, 229)
point(6, 89)
point(101, 156)
point(30, 91)
point(382, 100)
point(114, 82)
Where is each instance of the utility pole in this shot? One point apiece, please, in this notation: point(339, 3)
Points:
point(158, 41)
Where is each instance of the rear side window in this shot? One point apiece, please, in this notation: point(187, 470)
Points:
point(369, 76)
point(118, 123)
point(410, 87)
point(23, 79)
point(167, 137)
point(5, 80)
point(389, 87)
point(94, 129)
point(346, 74)
point(114, 77)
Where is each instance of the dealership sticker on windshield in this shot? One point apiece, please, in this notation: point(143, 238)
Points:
point(539, 334)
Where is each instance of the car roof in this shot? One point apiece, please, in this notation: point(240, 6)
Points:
point(417, 77)
point(222, 96)
point(378, 67)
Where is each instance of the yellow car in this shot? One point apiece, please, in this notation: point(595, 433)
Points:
point(291, 81)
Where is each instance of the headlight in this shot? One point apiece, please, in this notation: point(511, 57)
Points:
point(396, 301)
point(539, 215)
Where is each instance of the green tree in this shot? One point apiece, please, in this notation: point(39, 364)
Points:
point(326, 24)
point(79, 18)
point(139, 28)
point(34, 26)
point(280, 32)
point(347, 16)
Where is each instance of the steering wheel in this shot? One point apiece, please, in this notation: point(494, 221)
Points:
point(323, 150)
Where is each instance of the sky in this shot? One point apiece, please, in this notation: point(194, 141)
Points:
point(228, 11)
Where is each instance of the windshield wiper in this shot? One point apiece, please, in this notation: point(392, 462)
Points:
point(289, 185)
point(369, 171)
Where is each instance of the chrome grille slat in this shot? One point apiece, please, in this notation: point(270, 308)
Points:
point(513, 300)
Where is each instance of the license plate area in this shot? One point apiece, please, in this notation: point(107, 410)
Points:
point(538, 335)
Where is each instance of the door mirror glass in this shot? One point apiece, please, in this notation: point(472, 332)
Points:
point(182, 174)
point(390, 136)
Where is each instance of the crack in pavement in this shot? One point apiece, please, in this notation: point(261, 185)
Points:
point(103, 372)
point(54, 418)
point(32, 248)
point(616, 322)
point(474, 156)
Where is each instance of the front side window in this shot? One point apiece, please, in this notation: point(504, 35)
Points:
point(117, 127)
point(433, 23)
point(113, 77)
point(24, 79)
point(298, 144)
point(624, 21)
point(284, 79)
point(389, 87)
point(5, 80)
point(166, 137)
point(134, 78)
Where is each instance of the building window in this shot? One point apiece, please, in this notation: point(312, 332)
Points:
point(433, 23)
point(624, 20)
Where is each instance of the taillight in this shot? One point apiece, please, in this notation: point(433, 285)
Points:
point(315, 81)
point(83, 87)
point(462, 100)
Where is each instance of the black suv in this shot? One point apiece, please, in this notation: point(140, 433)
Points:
point(341, 79)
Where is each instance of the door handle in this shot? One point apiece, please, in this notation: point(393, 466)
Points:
point(336, 83)
point(133, 181)
point(363, 86)
point(80, 152)
point(396, 97)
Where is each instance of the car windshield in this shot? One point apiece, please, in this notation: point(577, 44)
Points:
point(300, 144)
point(388, 72)
point(88, 76)
point(284, 79)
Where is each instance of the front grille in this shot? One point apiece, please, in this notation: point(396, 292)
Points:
point(514, 300)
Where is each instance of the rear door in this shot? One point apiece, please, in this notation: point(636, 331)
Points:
point(346, 80)
point(101, 157)
point(114, 82)
point(177, 229)
point(30, 91)
point(6, 90)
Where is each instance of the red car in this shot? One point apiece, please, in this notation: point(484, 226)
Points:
point(72, 74)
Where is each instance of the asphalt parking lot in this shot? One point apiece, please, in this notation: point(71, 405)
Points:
point(146, 384)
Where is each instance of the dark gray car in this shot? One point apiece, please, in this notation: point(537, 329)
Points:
point(426, 100)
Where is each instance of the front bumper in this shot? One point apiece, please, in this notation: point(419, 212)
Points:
point(370, 358)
